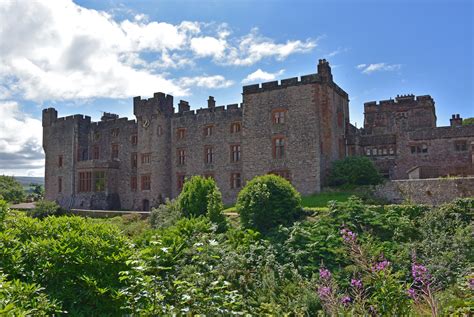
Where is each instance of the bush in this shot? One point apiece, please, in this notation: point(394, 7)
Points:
point(11, 190)
point(165, 215)
point(354, 170)
point(200, 196)
point(45, 208)
point(268, 201)
point(3, 211)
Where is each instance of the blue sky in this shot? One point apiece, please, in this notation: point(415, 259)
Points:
point(93, 56)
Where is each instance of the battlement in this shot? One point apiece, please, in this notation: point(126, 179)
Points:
point(271, 85)
point(160, 102)
point(400, 100)
point(112, 122)
point(231, 109)
point(50, 117)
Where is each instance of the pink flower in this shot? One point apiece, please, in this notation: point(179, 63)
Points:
point(324, 274)
point(348, 235)
point(324, 292)
point(380, 266)
point(420, 273)
point(346, 300)
point(356, 283)
point(411, 293)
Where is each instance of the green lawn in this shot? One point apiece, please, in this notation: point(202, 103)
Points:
point(322, 199)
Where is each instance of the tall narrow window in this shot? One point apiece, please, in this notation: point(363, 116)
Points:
point(159, 130)
point(146, 158)
point(115, 151)
point(180, 179)
point(133, 183)
point(99, 181)
point(85, 182)
point(278, 116)
point(235, 153)
point(60, 184)
point(115, 132)
point(181, 133)
point(208, 130)
point(208, 154)
point(278, 147)
point(134, 160)
point(134, 139)
point(181, 153)
point(95, 152)
point(235, 181)
point(60, 161)
point(460, 146)
point(235, 127)
point(146, 182)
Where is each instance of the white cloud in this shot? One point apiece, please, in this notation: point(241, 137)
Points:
point(216, 81)
point(208, 46)
point(370, 68)
point(260, 75)
point(20, 141)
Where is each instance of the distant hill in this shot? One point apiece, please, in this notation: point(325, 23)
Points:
point(25, 181)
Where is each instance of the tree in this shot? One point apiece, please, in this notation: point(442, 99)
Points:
point(468, 121)
point(268, 201)
point(354, 170)
point(11, 190)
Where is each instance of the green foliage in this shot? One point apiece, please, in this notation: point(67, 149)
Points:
point(322, 199)
point(3, 211)
point(268, 201)
point(165, 215)
point(200, 196)
point(23, 299)
point(468, 121)
point(354, 170)
point(45, 208)
point(11, 190)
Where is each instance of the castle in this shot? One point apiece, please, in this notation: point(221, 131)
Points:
point(294, 128)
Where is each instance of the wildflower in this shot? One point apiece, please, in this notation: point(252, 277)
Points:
point(380, 266)
point(411, 293)
point(356, 283)
point(346, 300)
point(324, 274)
point(471, 283)
point(324, 292)
point(420, 273)
point(348, 235)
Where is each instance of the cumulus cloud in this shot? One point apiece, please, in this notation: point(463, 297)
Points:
point(20, 142)
point(260, 75)
point(371, 68)
point(216, 81)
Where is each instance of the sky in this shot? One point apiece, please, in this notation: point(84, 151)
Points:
point(90, 56)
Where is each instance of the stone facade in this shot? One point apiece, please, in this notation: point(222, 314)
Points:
point(401, 137)
point(294, 128)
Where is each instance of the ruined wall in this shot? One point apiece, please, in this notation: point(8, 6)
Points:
point(426, 191)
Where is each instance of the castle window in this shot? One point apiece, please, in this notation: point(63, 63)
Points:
point(115, 151)
point(384, 151)
point(134, 139)
point(208, 154)
point(134, 160)
point(419, 148)
point(96, 136)
point(60, 161)
point(235, 127)
point(180, 178)
point(208, 130)
point(391, 150)
point(95, 152)
point(115, 132)
point(235, 181)
point(99, 181)
point(146, 182)
point(282, 173)
point(460, 146)
point(146, 158)
point(278, 116)
point(368, 152)
point(181, 133)
point(85, 182)
point(278, 147)
point(160, 130)
point(374, 151)
point(181, 153)
point(235, 153)
point(60, 184)
point(133, 183)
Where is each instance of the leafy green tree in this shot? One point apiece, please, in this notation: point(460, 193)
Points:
point(3, 211)
point(268, 201)
point(165, 215)
point(200, 196)
point(45, 208)
point(38, 191)
point(11, 190)
point(468, 121)
point(354, 170)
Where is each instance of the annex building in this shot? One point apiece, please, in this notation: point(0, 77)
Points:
point(294, 128)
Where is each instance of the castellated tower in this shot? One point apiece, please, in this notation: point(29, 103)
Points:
point(293, 128)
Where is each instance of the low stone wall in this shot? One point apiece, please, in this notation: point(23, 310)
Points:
point(433, 191)
point(106, 213)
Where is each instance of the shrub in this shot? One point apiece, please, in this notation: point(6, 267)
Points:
point(268, 201)
point(354, 170)
point(3, 211)
point(45, 208)
point(11, 190)
point(200, 196)
point(165, 215)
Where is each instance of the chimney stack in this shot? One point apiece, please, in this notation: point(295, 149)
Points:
point(456, 120)
point(211, 103)
point(183, 106)
point(324, 70)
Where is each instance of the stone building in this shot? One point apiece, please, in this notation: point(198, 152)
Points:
point(294, 128)
point(402, 138)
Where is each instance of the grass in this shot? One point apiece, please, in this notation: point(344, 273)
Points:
point(322, 199)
